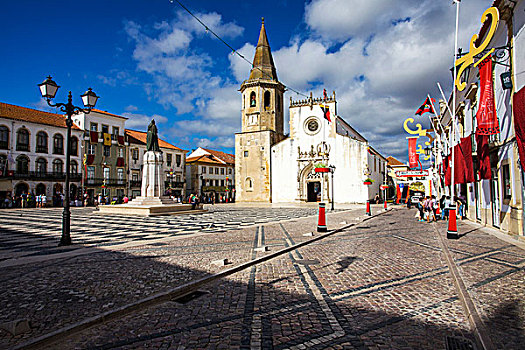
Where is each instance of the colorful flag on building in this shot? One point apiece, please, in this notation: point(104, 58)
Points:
point(326, 112)
point(426, 107)
point(412, 156)
point(463, 164)
point(483, 156)
point(325, 96)
point(518, 103)
point(486, 118)
point(107, 139)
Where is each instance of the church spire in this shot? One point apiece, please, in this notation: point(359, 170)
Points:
point(263, 66)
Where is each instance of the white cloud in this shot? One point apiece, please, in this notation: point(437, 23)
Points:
point(140, 122)
point(217, 143)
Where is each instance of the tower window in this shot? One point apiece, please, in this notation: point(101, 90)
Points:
point(249, 184)
point(253, 102)
point(246, 153)
point(267, 100)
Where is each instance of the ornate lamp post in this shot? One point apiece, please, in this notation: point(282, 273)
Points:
point(48, 90)
point(332, 170)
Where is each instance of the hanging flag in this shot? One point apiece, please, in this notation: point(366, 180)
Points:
point(483, 156)
point(426, 107)
point(447, 170)
point(93, 136)
point(518, 103)
point(107, 139)
point(325, 96)
point(326, 112)
point(412, 156)
point(463, 165)
point(486, 118)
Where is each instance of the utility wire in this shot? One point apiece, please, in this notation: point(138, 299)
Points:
point(230, 47)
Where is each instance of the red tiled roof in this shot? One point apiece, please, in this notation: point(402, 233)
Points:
point(107, 113)
point(392, 161)
point(25, 114)
point(203, 159)
point(139, 137)
point(225, 157)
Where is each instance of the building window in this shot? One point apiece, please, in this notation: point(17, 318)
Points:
point(267, 100)
point(58, 166)
point(74, 146)
point(246, 153)
point(105, 129)
point(22, 140)
point(249, 184)
point(74, 167)
point(253, 102)
point(58, 144)
point(107, 151)
point(41, 142)
point(135, 177)
point(204, 170)
point(216, 171)
point(120, 174)
point(93, 127)
point(22, 165)
point(178, 178)
point(91, 172)
point(222, 171)
point(41, 166)
point(4, 137)
point(106, 173)
point(121, 152)
point(222, 182)
point(168, 159)
point(178, 159)
point(92, 149)
point(135, 154)
point(115, 130)
point(230, 171)
point(507, 185)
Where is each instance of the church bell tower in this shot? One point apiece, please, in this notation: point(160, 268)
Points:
point(262, 126)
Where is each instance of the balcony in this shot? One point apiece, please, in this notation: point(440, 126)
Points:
point(174, 184)
point(47, 176)
point(214, 188)
point(99, 181)
point(135, 183)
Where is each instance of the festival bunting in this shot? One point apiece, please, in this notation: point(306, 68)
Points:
point(463, 165)
point(412, 156)
point(482, 142)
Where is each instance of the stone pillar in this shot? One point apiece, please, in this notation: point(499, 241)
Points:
point(152, 191)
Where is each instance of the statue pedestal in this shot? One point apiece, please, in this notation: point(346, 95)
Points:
point(152, 201)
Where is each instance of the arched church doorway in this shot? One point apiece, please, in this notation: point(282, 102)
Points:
point(40, 189)
point(313, 191)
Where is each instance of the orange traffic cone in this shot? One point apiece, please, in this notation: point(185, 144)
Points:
point(321, 224)
point(368, 208)
point(385, 204)
point(452, 232)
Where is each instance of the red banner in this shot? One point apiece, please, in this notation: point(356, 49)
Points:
point(486, 117)
point(518, 102)
point(412, 156)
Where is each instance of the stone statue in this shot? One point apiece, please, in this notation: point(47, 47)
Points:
point(152, 140)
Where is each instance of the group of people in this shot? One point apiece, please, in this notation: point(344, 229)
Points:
point(30, 200)
point(428, 207)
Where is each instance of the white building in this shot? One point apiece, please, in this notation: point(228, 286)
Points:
point(314, 140)
point(32, 152)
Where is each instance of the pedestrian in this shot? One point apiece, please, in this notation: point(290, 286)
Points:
point(446, 208)
point(421, 211)
point(376, 198)
point(43, 201)
point(126, 199)
point(433, 205)
point(409, 202)
point(24, 199)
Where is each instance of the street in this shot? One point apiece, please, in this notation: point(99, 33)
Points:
point(380, 283)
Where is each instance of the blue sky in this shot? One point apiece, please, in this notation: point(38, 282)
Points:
point(150, 59)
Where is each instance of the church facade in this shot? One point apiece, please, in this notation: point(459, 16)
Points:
point(273, 167)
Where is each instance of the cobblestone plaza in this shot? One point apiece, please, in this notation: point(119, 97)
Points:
point(380, 283)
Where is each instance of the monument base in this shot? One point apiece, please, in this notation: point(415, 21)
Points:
point(153, 209)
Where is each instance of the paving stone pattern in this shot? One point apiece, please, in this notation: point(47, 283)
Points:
point(382, 285)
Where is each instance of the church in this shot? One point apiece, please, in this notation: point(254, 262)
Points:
point(277, 168)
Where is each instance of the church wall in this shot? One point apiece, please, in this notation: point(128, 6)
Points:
point(252, 169)
point(350, 158)
point(284, 172)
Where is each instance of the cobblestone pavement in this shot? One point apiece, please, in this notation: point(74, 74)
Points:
point(383, 284)
point(33, 232)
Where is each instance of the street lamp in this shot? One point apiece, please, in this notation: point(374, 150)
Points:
point(332, 170)
point(48, 89)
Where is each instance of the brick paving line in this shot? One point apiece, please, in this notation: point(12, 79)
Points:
point(179, 291)
point(18, 259)
point(478, 327)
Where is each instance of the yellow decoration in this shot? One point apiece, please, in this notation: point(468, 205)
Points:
point(419, 131)
point(107, 139)
point(468, 59)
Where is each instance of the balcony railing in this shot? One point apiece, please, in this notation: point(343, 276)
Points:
point(99, 181)
point(47, 176)
point(135, 183)
point(174, 184)
point(214, 188)
point(22, 147)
